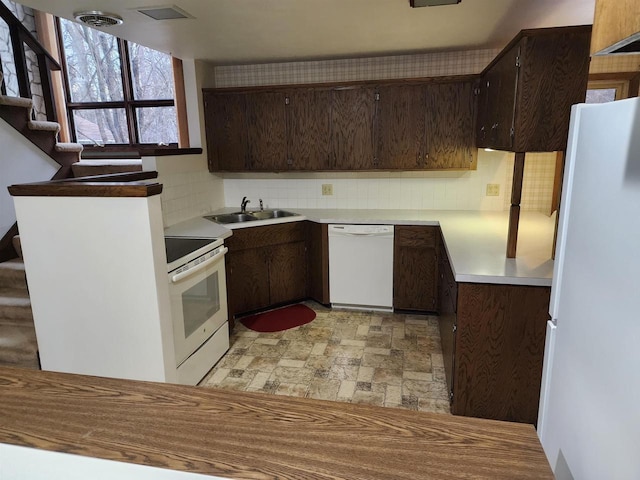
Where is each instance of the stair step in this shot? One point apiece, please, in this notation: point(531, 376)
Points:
point(69, 147)
point(18, 346)
point(16, 101)
point(17, 245)
point(12, 274)
point(44, 126)
point(15, 307)
point(105, 167)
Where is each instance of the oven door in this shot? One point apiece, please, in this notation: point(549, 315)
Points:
point(198, 304)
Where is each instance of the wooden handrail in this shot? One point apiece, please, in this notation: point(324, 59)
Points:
point(20, 36)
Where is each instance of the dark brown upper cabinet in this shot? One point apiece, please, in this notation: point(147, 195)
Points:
point(225, 116)
point(309, 129)
point(449, 138)
point(526, 93)
point(401, 127)
point(267, 131)
point(352, 128)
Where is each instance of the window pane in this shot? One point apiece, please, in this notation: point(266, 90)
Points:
point(101, 126)
point(157, 125)
point(601, 95)
point(151, 73)
point(93, 63)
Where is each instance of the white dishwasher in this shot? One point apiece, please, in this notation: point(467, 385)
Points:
point(361, 266)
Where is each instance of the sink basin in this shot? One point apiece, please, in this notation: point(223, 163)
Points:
point(231, 218)
point(267, 214)
point(239, 217)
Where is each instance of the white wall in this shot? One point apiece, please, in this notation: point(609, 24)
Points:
point(20, 162)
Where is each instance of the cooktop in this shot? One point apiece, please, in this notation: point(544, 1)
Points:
point(179, 247)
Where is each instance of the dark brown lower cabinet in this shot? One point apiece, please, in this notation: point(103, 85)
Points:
point(493, 345)
point(266, 266)
point(415, 268)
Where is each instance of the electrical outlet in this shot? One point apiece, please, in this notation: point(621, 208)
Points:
point(493, 189)
point(327, 189)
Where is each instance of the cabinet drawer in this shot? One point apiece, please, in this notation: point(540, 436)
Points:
point(415, 236)
point(256, 237)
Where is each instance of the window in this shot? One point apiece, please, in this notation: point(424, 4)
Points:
point(602, 91)
point(118, 92)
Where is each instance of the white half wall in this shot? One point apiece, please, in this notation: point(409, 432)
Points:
point(20, 162)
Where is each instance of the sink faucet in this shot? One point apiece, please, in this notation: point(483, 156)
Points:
point(243, 204)
point(261, 206)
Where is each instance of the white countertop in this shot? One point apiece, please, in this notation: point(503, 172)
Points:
point(476, 241)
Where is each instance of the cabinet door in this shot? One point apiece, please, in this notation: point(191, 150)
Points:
point(449, 133)
point(501, 82)
point(287, 272)
point(309, 129)
point(247, 281)
point(226, 131)
point(447, 320)
point(266, 131)
point(400, 127)
point(352, 128)
point(415, 268)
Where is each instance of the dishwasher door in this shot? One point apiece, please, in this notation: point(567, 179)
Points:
point(361, 266)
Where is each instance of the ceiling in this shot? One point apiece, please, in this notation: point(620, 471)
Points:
point(260, 31)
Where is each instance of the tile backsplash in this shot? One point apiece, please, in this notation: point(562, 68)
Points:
point(380, 190)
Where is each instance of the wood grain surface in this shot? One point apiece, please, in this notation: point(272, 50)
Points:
point(352, 128)
point(415, 268)
point(318, 262)
point(226, 127)
point(287, 272)
point(499, 350)
point(309, 129)
point(614, 20)
point(450, 126)
point(401, 127)
point(553, 77)
point(267, 131)
point(86, 189)
point(244, 435)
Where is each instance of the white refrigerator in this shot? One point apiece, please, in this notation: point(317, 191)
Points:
point(589, 418)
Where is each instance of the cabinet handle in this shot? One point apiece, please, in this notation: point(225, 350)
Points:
point(289, 161)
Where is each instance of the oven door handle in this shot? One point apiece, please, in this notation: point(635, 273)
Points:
point(182, 275)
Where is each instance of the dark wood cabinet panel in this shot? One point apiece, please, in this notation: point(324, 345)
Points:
point(318, 262)
point(226, 121)
point(287, 272)
point(415, 268)
point(526, 93)
point(352, 128)
point(266, 266)
point(449, 135)
point(553, 77)
point(247, 281)
point(498, 100)
point(309, 129)
point(499, 351)
point(266, 131)
point(400, 127)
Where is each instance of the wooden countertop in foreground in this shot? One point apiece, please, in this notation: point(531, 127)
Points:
point(256, 436)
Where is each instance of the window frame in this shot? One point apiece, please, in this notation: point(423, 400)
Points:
point(128, 103)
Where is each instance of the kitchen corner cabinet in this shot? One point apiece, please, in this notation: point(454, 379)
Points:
point(225, 115)
point(493, 345)
point(266, 266)
point(415, 268)
point(526, 93)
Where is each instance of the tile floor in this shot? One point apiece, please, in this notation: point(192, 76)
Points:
point(386, 359)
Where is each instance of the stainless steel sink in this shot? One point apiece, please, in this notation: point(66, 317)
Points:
point(231, 218)
point(239, 217)
point(267, 214)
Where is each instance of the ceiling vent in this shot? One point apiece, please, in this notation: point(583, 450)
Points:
point(432, 3)
point(95, 18)
point(170, 12)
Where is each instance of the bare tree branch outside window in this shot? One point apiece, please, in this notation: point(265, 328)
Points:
point(94, 69)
